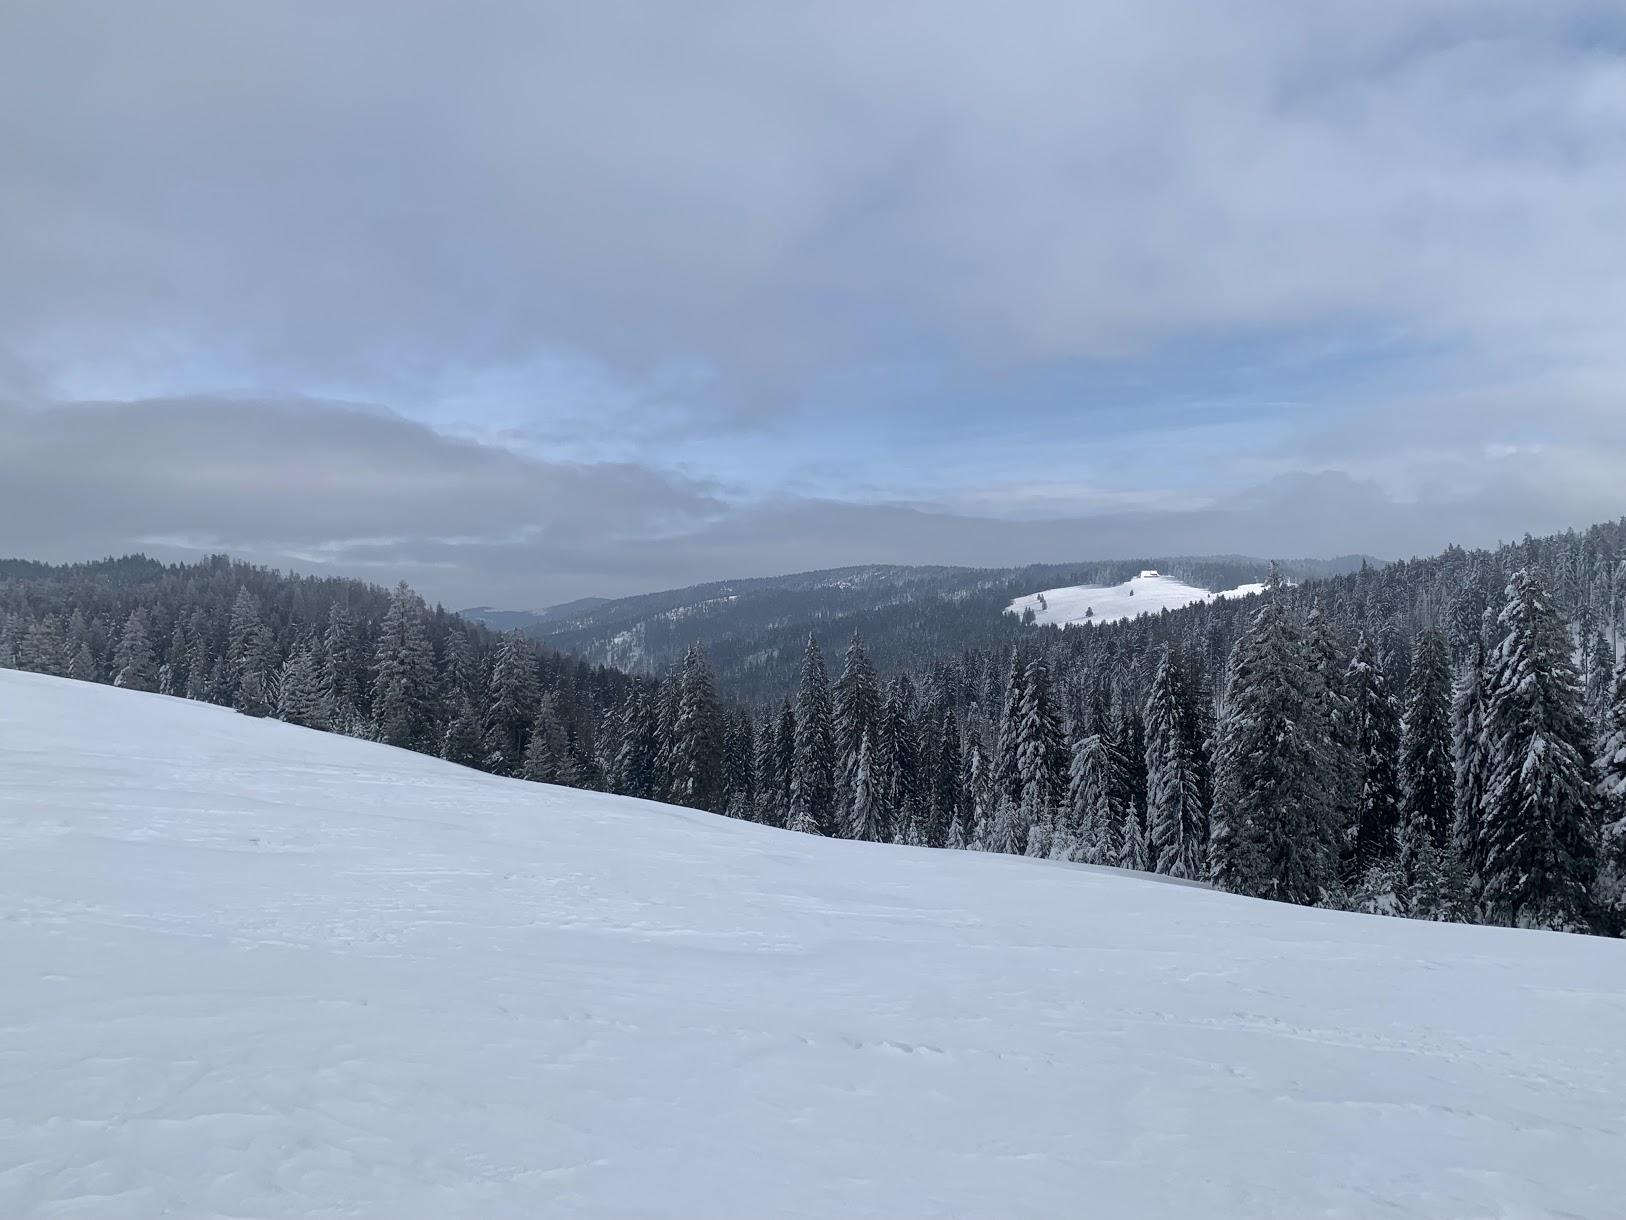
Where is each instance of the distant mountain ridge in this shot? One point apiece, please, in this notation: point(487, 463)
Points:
point(520, 620)
point(755, 629)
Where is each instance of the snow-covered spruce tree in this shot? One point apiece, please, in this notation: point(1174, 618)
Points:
point(774, 777)
point(950, 818)
point(1132, 845)
point(510, 705)
point(1273, 831)
point(133, 665)
point(1539, 824)
point(547, 757)
point(1431, 882)
point(632, 771)
point(1329, 665)
point(899, 773)
point(978, 791)
point(1426, 764)
point(251, 658)
point(1471, 752)
point(867, 816)
point(857, 715)
point(1008, 832)
point(299, 688)
point(462, 743)
point(1177, 829)
point(1091, 811)
point(813, 772)
point(345, 680)
point(698, 737)
point(404, 695)
point(1377, 751)
point(739, 765)
point(1040, 759)
point(1611, 894)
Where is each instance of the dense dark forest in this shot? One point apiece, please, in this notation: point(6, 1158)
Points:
point(1443, 738)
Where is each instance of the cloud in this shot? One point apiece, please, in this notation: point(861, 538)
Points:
point(1151, 275)
point(334, 488)
point(376, 195)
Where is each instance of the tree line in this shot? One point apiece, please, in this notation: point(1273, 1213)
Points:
point(1444, 738)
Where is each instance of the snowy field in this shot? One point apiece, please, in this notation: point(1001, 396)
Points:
point(256, 971)
point(1140, 595)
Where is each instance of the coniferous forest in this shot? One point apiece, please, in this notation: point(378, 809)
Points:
point(1441, 738)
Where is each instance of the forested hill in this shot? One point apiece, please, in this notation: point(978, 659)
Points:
point(754, 630)
point(328, 653)
point(1443, 738)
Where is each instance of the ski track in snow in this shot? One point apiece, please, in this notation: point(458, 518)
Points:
point(257, 971)
point(1139, 595)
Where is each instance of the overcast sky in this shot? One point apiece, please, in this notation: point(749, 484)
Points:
point(523, 301)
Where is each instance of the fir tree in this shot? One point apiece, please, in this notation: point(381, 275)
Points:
point(813, 773)
point(948, 806)
point(1008, 832)
point(857, 715)
point(404, 685)
point(1039, 760)
point(511, 705)
point(1612, 796)
point(633, 772)
point(1273, 825)
point(1177, 831)
point(547, 758)
point(1538, 825)
point(1377, 748)
point(1471, 750)
point(698, 778)
point(1091, 804)
point(868, 821)
point(463, 742)
point(978, 792)
point(1426, 765)
point(901, 781)
point(299, 689)
point(132, 662)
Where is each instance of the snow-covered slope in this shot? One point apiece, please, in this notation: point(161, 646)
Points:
point(1147, 593)
point(251, 970)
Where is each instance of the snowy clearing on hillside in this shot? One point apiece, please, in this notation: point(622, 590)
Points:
point(254, 970)
point(1147, 593)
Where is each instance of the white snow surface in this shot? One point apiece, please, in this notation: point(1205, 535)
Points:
point(1139, 595)
point(256, 971)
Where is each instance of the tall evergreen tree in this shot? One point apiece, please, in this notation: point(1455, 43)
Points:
point(1040, 758)
point(699, 737)
point(1471, 751)
point(813, 775)
point(900, 774)
point(1377, 750)
point(133, 661)
point(1177, 830)
point(948, 806)
point(1539, 818)
point(1092, 813)
point(299, 688)
point(511, 706)
point(404, 684)
point(1426, 764)
point(857, 715)
point(1273, 825)
point(1612, 796)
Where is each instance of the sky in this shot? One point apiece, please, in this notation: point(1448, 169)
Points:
point(522, 301)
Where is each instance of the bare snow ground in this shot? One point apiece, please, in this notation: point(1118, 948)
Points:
point(251, 970)
point(1136, 596)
